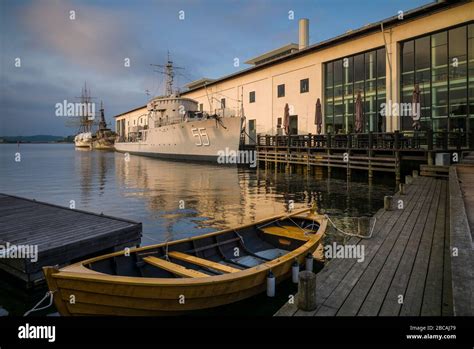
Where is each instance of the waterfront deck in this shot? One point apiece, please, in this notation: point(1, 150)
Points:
point(62, 235)
point(461, 185)
point(407, 265)
point(372, 152)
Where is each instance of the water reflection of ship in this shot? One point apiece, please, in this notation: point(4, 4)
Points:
point(220, 193)
point(93, 172)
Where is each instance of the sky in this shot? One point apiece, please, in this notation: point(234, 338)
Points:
point(60, 50)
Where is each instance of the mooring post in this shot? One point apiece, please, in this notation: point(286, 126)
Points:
point(415, 173)
point(363, 226)
point(401, 187)
point(387, 203)
point(408, 179)
point(307, 291)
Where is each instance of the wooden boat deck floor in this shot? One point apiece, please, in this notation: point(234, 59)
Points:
point(406, 270)
point(62, 235)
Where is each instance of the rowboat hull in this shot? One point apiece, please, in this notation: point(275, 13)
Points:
point(78, 290)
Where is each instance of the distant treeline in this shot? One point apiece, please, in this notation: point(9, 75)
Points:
point(36, 139)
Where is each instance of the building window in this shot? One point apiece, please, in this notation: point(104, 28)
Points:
point(222, 103)
point(252, 97)
point(343, 80)
point(281, 90)
point(304, 85)
point(441, 64)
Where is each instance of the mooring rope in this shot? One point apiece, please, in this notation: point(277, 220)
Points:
point(48, 294)
point(351, 234)
point(152, 239)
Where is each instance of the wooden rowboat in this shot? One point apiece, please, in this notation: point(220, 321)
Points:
point(190, 274)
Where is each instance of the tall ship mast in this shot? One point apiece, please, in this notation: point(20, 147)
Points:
point(173, 127)
point(84, 138)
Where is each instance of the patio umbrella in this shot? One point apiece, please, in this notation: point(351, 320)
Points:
point(286, 119)
point(358, 113)
point(318, 118)
point(415, 107)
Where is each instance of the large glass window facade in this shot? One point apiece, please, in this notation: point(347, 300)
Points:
point(442, 66)
point(343, 80)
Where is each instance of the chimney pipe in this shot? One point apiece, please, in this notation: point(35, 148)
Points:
point(303, 33)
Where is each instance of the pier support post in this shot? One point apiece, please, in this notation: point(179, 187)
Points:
point(430, 158)
point(329, 159)
point(348, 165)
point(307, 291)
point(387, 203)
point(397, 167)
point(370, 154)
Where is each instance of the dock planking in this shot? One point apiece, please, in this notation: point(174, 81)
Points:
point(407, 269)
point(61, 235)
point(461, 186)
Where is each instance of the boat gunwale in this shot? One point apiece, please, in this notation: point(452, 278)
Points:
point(80, 272)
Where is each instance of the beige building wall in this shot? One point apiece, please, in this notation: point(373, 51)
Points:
point(268, 107)
point(133, 119)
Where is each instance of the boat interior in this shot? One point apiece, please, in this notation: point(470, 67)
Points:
point(228, 252)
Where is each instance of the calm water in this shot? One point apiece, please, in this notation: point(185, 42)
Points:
point(154, 191)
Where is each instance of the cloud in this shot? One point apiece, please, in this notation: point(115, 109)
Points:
point(96, 39)
point(59, 54)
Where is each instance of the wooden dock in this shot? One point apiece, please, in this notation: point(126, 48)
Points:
point(406, 269)
point(60, 235)
point(461, 186)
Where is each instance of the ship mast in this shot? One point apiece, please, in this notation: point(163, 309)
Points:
point(86, 121)
point(102, 123)
point(168, 71)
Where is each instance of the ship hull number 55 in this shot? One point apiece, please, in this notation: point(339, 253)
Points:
point(200, 133)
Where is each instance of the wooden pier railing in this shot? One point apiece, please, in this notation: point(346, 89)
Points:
point(397, 141)
point(372, 151)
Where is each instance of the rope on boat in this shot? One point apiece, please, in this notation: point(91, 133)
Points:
point(160, 241)
point(352, 234)
point(306, 230)
point(240, 237)
point(48, 294)
point(150, 238)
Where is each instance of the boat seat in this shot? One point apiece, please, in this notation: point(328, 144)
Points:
point(280, 231)
point(202, 262)
point(174, 268)
point(296, 229)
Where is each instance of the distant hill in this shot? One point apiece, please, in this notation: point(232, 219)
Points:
point(36, 139)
